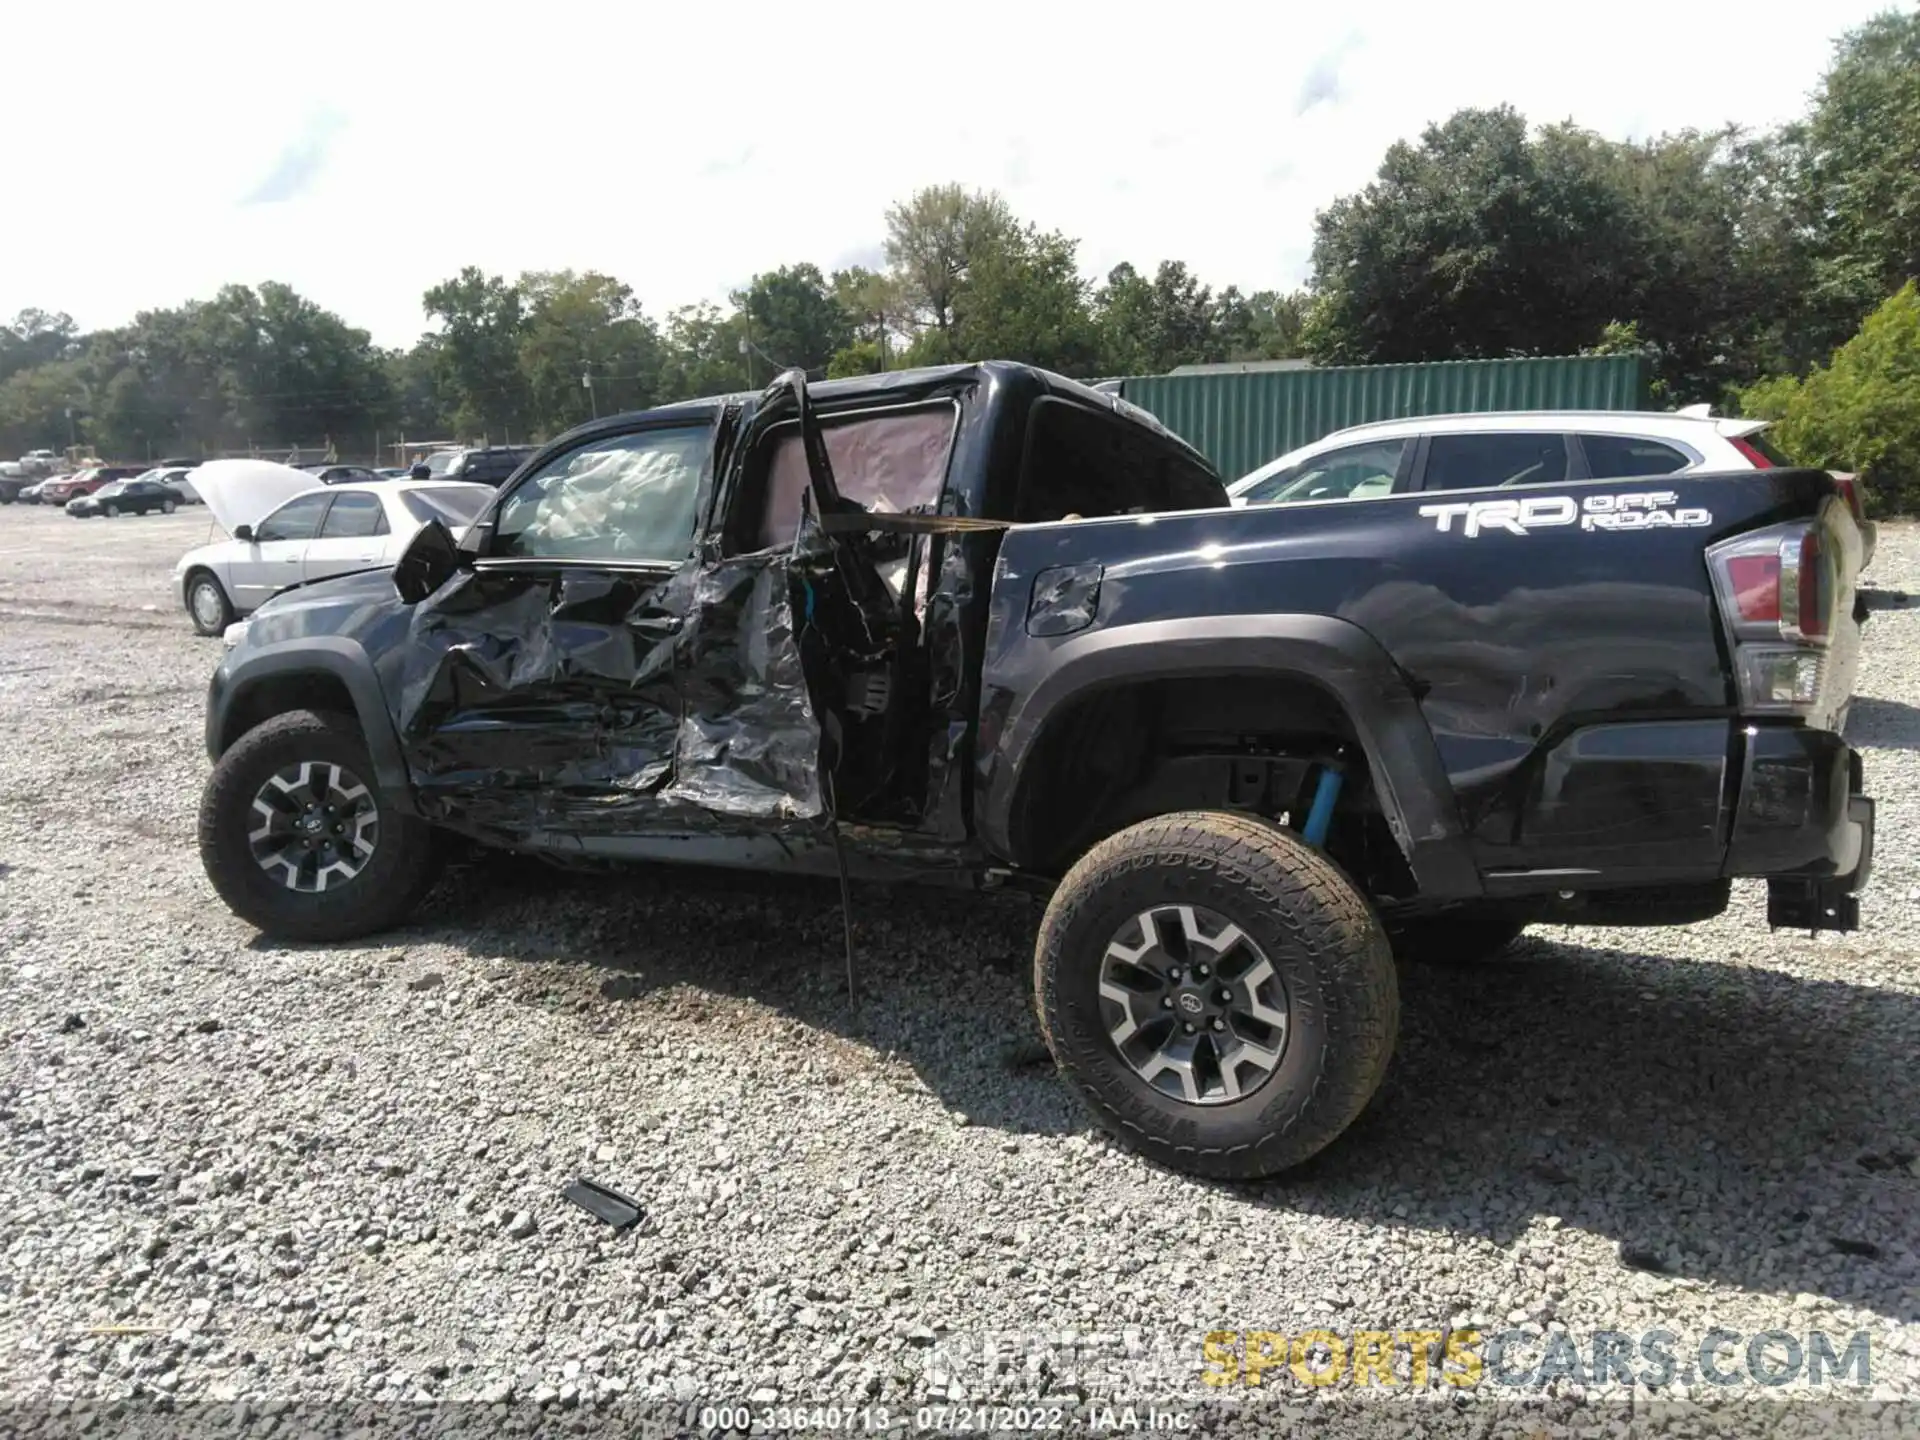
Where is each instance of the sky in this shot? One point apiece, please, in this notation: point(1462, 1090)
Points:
point(364, 152)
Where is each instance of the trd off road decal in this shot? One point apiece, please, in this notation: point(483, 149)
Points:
point(1637, 510)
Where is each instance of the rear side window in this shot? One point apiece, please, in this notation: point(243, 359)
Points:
point(1609, 456)
point(1090, 463)
point(1353, 472)
point(353, 516)
point(1468, 462)
point(888, 463)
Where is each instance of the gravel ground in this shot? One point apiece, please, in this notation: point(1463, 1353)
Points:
point(233, 1168)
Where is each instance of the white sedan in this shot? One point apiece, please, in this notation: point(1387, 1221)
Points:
point(316, 534)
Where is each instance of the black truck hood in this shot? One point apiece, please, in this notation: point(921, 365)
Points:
point(347, 605)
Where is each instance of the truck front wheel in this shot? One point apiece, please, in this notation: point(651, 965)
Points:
point(297, 839)
point(1219, 994)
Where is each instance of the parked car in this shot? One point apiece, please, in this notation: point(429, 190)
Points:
point(126, 497)
point(312, 534)
point(174, 475)
point(29, 469)
point(985, 623)
point(393, 472)
point(26, 478)
point(334, 474)
point(84, 482)
point(487, 466)
point(1527, 447)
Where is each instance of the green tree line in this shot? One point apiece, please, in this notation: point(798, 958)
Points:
point(515, 359)
point(1739, 264)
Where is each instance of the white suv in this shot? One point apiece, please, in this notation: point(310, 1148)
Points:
point(1517, 447)
point(1521, 447)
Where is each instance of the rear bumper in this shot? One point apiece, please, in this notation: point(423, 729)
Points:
point(1803, 823)
point(1830, 904)
point(1794, 814)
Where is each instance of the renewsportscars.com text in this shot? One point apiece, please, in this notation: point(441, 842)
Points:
point(1523, 1360)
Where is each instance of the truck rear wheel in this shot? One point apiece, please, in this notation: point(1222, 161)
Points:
point(1219, 994)
point(297, 839)
point(1465, 935)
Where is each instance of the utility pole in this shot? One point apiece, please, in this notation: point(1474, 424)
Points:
point(593, 400)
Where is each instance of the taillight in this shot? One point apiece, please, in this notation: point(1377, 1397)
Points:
point(1755, 456)
point(1755, 581)
point(1806, 605)
point(1777, 589)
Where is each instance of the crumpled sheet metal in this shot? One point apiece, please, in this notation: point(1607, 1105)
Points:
point(749, 741)
point(649, 703)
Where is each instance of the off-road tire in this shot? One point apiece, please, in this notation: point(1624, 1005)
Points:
point(1466, 935)
point(206, 577)
point(402, 868)
point(1315, 928)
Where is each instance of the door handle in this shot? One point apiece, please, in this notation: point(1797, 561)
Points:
point(659, 626)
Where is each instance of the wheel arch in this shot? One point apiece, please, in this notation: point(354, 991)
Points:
point(1312, 655)
point(202, 567)
point(313, 673)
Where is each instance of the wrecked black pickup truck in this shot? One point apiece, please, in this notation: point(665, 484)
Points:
point(989, 625)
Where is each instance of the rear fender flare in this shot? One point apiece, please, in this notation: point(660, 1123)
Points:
point(1336, 655)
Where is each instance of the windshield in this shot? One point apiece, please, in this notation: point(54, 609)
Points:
point(118, 487)
point(452, 505)
point(441, 461)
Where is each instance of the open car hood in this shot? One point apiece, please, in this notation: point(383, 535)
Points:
point(243, 492)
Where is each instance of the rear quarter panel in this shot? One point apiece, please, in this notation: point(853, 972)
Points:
point(1510, 635)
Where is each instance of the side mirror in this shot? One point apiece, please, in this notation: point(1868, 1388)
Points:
point(419, 472)
point(429, 561)
point(243, 533)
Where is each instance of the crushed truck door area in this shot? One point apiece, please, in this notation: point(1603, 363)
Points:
point(687, 628)
point(591, 671)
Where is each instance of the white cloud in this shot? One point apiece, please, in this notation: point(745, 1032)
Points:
point(683, 150)
point(298, 166)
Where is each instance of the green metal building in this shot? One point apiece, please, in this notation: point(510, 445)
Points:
point(1240, 418)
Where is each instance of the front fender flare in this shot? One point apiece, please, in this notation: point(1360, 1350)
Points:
point(1037, 682)
point(337, 658)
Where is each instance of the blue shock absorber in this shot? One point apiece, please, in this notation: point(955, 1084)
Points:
point(1320, 816)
